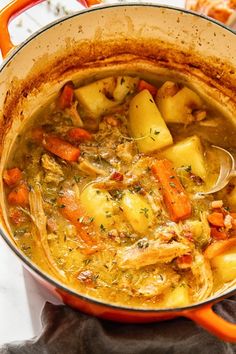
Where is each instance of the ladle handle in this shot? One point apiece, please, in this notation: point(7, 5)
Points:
point(15, 8)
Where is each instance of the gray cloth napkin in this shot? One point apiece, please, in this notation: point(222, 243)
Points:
point(66, 331)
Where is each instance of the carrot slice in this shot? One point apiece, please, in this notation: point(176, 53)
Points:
point(219, 247)
point(184, 261)
point(233, 221)
point(72, 211)
point(61, 148)
point(12, 176)
point(216, 219)
point(218, 234)
point(19, 195)
point(144, 85)
point(174, 195)
point(78, 134)
point(66, 97)
point(56, 146)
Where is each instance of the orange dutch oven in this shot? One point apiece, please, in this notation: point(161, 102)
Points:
point(107, 40)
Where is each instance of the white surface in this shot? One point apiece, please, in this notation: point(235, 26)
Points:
point(21, 298)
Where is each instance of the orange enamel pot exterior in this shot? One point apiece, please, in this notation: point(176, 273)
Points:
point(109, 39)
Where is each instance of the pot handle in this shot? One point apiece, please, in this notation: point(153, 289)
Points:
point(13, 9)
point(213, 323)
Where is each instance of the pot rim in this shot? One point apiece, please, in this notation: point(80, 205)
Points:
point(26, 260)
point(16, 49)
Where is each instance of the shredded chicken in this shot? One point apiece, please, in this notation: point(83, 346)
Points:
point(40, 221)
point(145, 252)
point(150, 283)
point(125, 151)
point(91, 170)
point(74, 115)
point(202, 273)
point(109, 185)
point(53, 170)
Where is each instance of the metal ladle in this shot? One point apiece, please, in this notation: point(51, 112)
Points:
point(227, 170)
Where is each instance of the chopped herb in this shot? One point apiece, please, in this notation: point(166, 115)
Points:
point(102, 227)
point(172, 184)
point(188, 168)
point(86, 261)
point(91, 219)
point(25, 247)
point(77, 179)
point(65, 238)
point(61, 206)
point(143, 243)
point(116, 194)
point(122, 81)
point(151, 100)
point(161, 277)
point(172, 177)
point(137, 188)
point(156, 132)
point(144, 211)
point(151, 137)
point(98, 192)
point(81, 219)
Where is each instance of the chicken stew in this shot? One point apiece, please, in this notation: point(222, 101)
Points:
point(103, 193)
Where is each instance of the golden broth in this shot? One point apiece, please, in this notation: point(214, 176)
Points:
point(86, 204)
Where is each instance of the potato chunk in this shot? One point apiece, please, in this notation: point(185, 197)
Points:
point(188, 152)
point(200, 229)
point(99, 205)
point(179, 297)
point(225, 265)
point(179, 105)
point(147, 124)
point(100, 96)
point(137, 211)
point(124, 86)
point(95, 97)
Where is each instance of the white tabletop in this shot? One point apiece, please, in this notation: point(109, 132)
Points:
point(21, 298)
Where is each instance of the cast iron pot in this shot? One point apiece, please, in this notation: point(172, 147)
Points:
point(132, 38)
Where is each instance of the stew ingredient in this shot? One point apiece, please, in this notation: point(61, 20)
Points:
point(103, 193)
